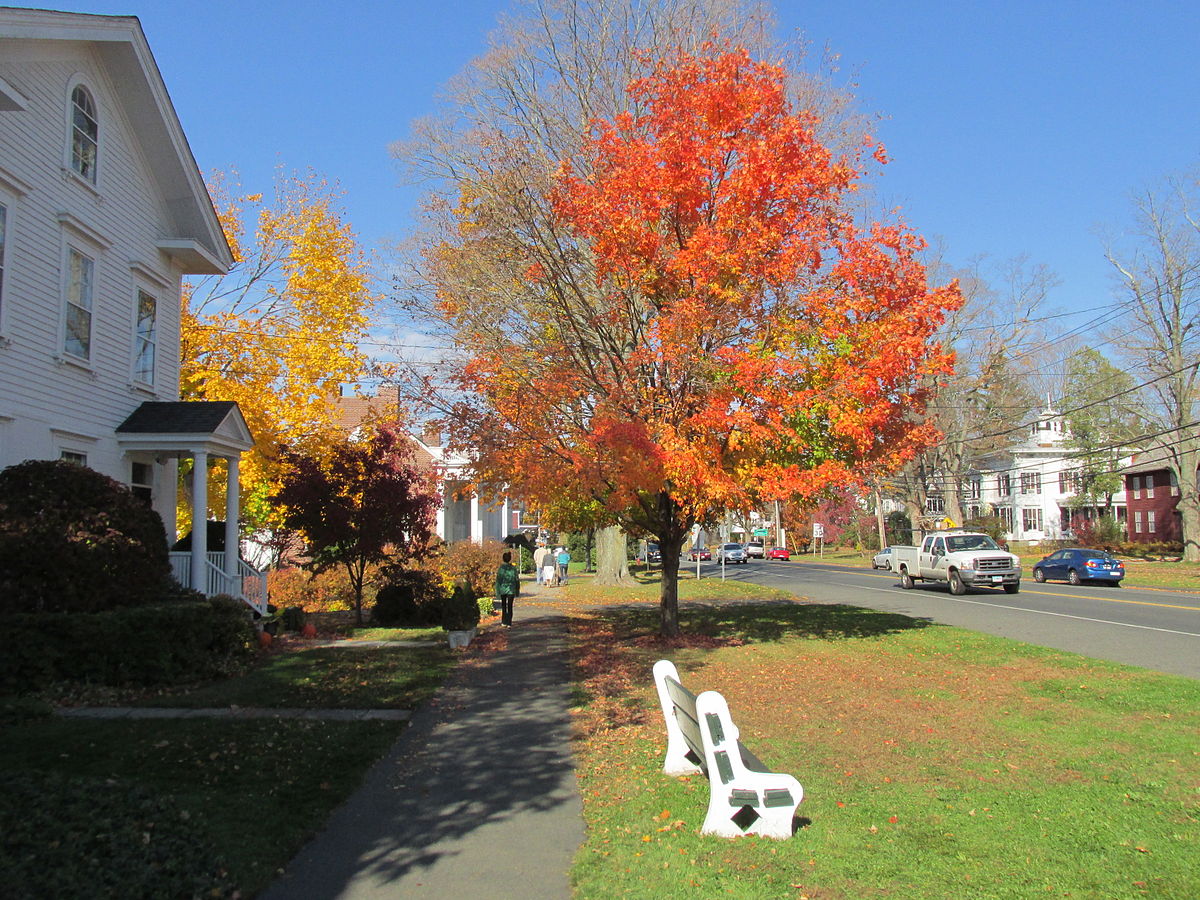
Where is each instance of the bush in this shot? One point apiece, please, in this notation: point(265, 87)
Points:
point(413, 598)
point(73, 540)
point(166, 643)
point(474, 563)
point(461, 610)
point(293, 618)
point(328, 592)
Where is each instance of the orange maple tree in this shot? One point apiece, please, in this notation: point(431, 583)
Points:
point(706, 326)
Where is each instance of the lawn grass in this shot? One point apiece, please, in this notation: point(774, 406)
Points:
point(249, 793)
point(196, 807)
point(936, 762)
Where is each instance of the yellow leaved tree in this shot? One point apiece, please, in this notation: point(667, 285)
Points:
point(279, 334)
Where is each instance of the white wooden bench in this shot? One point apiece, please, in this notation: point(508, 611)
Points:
point(744, 798)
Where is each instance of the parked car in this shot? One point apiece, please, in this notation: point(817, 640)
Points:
point(882, 559)
point(651, 553)
point(701, 553)
point(779, 553)
point(1078, 565)
point(755, 549)
point(731, 553)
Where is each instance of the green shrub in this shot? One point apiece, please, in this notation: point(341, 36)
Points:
point(487, 605)
point(76, 837)
point(413, 598)
point(166, 643)
point(293, 618)
point(73, 540)
point(461, 610)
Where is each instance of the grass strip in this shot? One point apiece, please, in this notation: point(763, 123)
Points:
point(936, 762)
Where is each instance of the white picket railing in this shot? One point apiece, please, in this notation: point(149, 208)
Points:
point(249, 584)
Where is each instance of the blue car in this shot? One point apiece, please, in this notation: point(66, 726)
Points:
point(1077, 566)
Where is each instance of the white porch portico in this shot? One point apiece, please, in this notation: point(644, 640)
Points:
point(202, 430)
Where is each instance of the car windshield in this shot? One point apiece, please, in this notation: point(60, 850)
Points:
point(733, 546)
point(971, 542)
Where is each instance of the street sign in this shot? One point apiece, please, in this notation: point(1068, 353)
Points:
point(818, 530)
point(760, 532)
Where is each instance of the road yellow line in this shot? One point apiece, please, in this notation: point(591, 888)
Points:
point(875, 573)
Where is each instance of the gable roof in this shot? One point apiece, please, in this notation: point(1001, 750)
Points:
point(198, 245)
point(216, 426)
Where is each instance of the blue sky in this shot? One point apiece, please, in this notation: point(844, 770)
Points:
point(1014, 127)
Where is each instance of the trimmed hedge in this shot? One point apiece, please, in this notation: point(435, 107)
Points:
point(167, 643)
point(73, 540)
point(412, 598)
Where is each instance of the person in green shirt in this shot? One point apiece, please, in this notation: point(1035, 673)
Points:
point(508, 585)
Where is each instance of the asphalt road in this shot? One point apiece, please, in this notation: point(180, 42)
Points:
point(1155, 629)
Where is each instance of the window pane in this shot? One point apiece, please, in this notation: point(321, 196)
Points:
point(78, 332)
point(84, 134)
point(143, 365)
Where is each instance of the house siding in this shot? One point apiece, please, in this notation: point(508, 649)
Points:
point(49, 403)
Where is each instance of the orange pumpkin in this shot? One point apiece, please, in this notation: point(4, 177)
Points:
point(309, 630)
point(264, 639)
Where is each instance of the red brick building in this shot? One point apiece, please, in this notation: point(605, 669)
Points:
point(1151, 497)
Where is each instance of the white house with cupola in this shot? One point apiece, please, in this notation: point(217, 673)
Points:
point(1030, 485)
point(103, 211)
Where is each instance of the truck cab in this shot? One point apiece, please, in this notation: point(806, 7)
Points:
point(961, 559)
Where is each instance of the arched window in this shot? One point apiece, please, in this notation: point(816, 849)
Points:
point(85, 133)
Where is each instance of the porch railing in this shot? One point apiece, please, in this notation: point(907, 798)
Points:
point(249, 585)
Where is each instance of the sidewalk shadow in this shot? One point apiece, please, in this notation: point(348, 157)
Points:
point(491, 748)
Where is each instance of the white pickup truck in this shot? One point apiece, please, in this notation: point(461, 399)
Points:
point(962, 559)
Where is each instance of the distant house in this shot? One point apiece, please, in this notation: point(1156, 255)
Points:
point(102, 212)
point(1153, 491)
point(463, 515)
point(1031, 485)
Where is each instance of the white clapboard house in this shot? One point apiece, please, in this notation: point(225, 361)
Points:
point(102, 213)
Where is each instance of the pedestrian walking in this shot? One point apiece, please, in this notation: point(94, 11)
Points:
point(508, 585)
point(563, 558)
point(539, 563)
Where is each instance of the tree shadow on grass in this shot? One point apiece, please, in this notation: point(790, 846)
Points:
point(760, 622)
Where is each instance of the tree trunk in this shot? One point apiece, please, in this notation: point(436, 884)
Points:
point(670, 546)
point(612, 562)
point(1189, 503)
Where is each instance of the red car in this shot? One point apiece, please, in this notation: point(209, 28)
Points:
point(778, 553)
point(699, 553)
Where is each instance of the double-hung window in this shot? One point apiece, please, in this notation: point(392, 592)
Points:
point(85, 133)
point(80, 284)
point(145, 339)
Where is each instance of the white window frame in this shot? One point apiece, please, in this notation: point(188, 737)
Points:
point(139, 379)
point(1137, 521)
point(92, 178)
point(1149, 487)
point(143, 489)
point(1150, 521)
point(1135, 484)
point(79, 457)
point(1033, 512)
point(71, 249)
point(1031, 483)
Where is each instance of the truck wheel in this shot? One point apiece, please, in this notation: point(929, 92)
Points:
point(1012, 588)
point(956, 584)
point(906, 580)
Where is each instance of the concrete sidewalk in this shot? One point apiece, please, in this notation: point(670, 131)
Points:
point(478, 797)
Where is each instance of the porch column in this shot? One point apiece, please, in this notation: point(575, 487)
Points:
point(199, 520)
point(232, 554)
point(444, 493)
point(507, 528)
point(476, 522)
